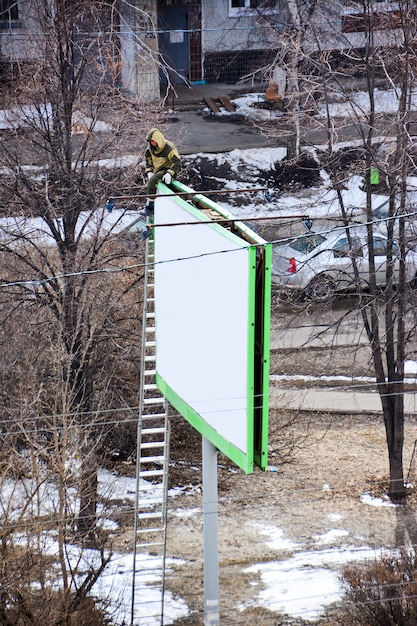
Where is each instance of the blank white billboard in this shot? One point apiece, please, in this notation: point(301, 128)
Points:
point(205, 321)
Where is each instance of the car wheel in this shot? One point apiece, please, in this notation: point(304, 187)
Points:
point(321, 289)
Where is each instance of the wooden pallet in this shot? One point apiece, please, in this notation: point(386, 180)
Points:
point(215, 104)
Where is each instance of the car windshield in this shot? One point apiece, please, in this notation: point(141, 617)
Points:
point(307, 243)
point(343, 248)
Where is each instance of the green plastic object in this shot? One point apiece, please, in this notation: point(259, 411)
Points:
point(374, 176)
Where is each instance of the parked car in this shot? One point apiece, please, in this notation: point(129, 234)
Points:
point(320, 263)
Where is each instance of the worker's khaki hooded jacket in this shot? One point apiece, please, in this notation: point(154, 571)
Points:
point(164, 157)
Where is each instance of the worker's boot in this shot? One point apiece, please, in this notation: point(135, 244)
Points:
point(148, 210)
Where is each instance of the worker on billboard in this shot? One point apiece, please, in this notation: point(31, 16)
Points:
point(162, 162)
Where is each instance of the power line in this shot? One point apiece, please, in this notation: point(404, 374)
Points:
point(113, 270)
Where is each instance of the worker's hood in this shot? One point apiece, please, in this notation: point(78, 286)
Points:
point(156, 135)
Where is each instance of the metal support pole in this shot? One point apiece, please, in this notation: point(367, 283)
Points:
point(210, 517)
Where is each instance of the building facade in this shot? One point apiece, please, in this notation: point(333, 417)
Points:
point(162, 42)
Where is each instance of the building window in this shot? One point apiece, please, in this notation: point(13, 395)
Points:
point(239, 7)
point(9, 11)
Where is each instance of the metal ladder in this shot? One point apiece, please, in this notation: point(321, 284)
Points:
point(152, 461)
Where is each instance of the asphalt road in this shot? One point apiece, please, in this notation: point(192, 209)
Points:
point(307, 334)
point(332, 400)
point(317, 327)
point(195, 131)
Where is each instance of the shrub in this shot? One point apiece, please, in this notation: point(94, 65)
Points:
point(383, 593)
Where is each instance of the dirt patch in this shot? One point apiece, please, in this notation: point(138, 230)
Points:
point(205, 173)
point(321, 490)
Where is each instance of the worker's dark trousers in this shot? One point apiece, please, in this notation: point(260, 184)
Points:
point(154, 181)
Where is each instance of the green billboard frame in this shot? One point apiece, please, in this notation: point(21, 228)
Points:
point(257, 257)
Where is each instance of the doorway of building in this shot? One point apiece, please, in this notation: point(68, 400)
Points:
point(174, 42)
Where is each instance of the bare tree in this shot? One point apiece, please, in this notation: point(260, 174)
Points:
point(299, 16)
point(54, 179)
point(385, 145)
point(385, 314)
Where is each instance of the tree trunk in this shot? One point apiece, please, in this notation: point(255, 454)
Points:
point(293, 87)
point(88, 498)
point(393, 409)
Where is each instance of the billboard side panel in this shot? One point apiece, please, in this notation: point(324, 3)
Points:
point(263, 324)
point(251, 335)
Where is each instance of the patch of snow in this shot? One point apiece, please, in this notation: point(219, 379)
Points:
point(186, 512)
point(410, 367)
point(366, 498)
point(332, 379)
point(303, 585)
point(331, 536)
point(276, 539)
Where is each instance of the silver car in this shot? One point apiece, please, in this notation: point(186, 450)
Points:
point(320, 263)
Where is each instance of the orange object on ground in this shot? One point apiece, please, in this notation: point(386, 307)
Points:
point(271, 94)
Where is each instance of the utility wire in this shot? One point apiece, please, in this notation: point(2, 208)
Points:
point(113, 270)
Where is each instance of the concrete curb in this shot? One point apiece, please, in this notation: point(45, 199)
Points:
point(332, 401)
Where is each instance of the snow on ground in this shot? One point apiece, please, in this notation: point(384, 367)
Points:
point(386, 101)
point(27, 115)
point(114, 587)
point(21, 228)
point(293, 583)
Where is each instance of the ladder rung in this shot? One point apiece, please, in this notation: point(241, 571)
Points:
point(150, 502)
point(160, 400)
point(152, 473)
point(143, 487)
point(149, 416)
point(149, 372)
point(143, 531)
point(152, 459)
point(144, 567)
point(153, 515)
point(149, 386)
point(143, 574)
point(150, 544)
point(145, 445)
point(151, 445)
point(143, 570)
